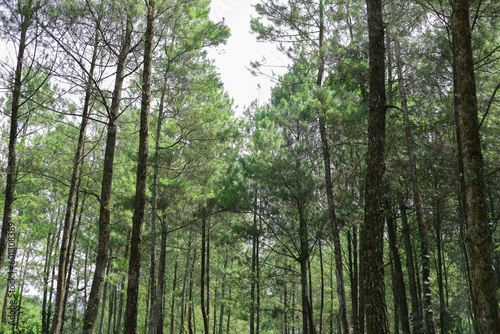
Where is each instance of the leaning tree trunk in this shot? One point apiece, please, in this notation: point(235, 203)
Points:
point(478, 234)
point(372, 257)
point(140, 190)
point(107, 179)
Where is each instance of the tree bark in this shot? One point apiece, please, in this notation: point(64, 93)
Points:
point(11, 169)
point(140, 192)
point(372, 257)
point(478, 234)
point(107, 179)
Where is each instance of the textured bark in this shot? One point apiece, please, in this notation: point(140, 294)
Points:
point(372, 257)
point(107, 179)
point(476, 212)
point(141, 177)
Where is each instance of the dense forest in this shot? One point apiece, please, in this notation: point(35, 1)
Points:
point(362, 197)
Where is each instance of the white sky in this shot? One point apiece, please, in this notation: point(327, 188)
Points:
point(234, 58)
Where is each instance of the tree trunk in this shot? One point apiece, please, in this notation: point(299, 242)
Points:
point(186, 282)
point(353, 258)
point(253, 266)
point(442, 306)
point(372, 257)
point(478, 235)
point(48, 251)
point(107, 179)
point(65, 249)
point(103, 306)
point(161, 275)
point(398, 282)
point(322, 283)
point(339, 273)
point(72, 247)
point(140, 192)
point(172, 304)
point(307, 327)
point(203, 273)
point(12, 154)
point(122, 288)
point(417, 320)
point(422, 229)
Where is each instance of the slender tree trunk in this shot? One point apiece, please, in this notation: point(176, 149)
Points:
point(161, 275)
point(65, 247)
point(254, 261)
point(395, 297)
point(203, 274)
point(191, 319)
point(442, 306)
point(172, 304)
point(478, 235)
point(304, 257)
point(156, 303)
point(353, 265)
point(214, 325)
point(122, 293)
point(72, 247)
point(372, 258)
point(329, 188)
point(223, 301)
point(107, 179)
point(417, 322)
point(140, 194)
point(361, 301)
point(422, 229)
point(322, 283)
point(13, 133)
point(186, 282)
point(45, 325)
point(398, 281)
point(228, 314)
